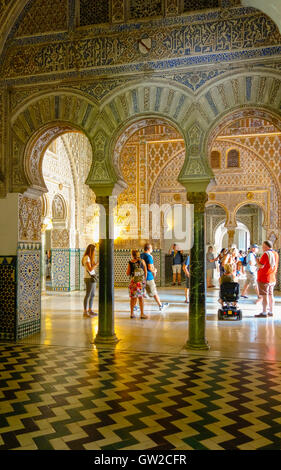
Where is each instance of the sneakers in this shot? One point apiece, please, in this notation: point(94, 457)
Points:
point(90, 314)
point(261, 315)
point(163, 306)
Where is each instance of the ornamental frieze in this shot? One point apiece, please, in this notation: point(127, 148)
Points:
point(194, 39)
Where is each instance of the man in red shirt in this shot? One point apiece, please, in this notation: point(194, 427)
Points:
point(268, 265)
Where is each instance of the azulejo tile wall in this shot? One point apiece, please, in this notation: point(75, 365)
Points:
point(20, 293)
point(8, 294)
point(60, 269)
point(28, 289)
point(67, 274)
point(121, 259)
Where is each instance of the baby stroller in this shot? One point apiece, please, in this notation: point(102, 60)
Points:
point(229, 294)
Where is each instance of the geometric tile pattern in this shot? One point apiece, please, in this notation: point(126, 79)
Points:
point(121, 259)
point(66, 269)
point(8, 297)
point(29, 285)
point(54, 398)
point(28, 289)
point(60, 269)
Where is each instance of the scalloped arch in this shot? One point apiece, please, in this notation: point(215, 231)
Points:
point(59, 105)
point(210, 203)
point(37, 122)
point(254, 94)
point(158, 99)
point(254, 203)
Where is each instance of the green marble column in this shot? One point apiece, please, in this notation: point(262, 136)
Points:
point(197, 292)
point(106, 334)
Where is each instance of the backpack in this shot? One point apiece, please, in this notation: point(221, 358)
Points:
point(138, 272)
point(244, 262)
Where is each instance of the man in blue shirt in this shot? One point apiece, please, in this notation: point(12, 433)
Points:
point(151, 273)
point(177, 263)
point(185, 268)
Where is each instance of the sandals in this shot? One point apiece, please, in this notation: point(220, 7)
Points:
point(133, 316)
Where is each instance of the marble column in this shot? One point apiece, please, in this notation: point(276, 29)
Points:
point(106, 333)
point(197, 292)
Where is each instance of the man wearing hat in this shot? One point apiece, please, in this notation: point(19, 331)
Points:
point(251, 271)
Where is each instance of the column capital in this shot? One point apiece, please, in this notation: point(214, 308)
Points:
point(199, 199)
point(103, 200)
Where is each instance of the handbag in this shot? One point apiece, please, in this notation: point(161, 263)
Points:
point(94, 277)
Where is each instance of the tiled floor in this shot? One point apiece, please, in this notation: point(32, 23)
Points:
point(58, 391)
point(62, 324)
point(65, 398)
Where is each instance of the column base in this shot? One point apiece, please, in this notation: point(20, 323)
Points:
point(105, 340)
point(198, 347)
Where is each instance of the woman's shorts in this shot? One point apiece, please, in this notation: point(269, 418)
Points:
point(176, 268)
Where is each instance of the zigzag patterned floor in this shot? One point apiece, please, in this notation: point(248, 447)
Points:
point(65, 398)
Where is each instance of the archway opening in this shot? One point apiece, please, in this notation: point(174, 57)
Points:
point(244, 153)
point(68, 224)
point(252, 216)
point(150, 154)
point(216, 217)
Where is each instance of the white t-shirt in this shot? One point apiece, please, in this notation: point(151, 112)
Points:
point(86, 259)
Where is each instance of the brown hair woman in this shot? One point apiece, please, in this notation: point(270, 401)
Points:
point(89, 264)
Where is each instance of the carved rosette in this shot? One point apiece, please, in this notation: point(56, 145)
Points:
point(198, 199)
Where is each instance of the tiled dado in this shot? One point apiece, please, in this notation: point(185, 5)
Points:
point(8, 297)
point(67, 272)
point(121, 259)
point(28, 289)
point(20, 293)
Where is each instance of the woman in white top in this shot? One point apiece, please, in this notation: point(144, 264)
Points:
point(89, 264)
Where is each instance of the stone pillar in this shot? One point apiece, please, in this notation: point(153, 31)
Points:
point(106, 333)
point(43, 258)
point(230, 234)
point(20, 260)
point(197, 292)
